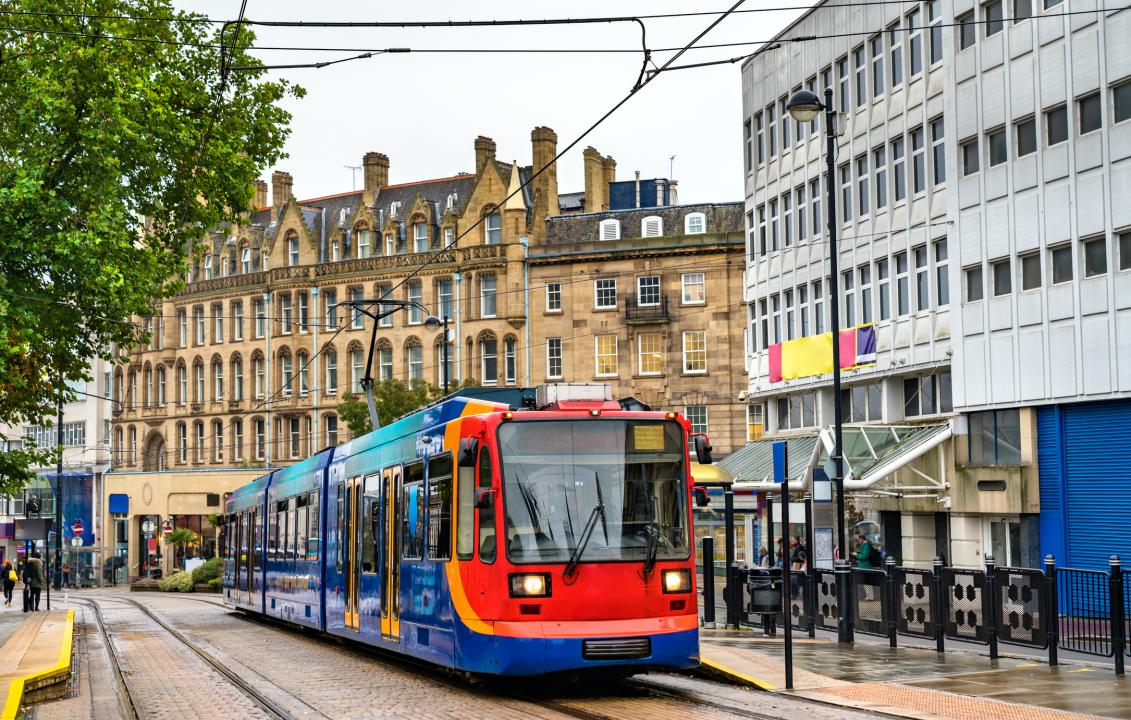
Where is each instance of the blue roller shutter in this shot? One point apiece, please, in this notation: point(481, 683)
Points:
point(1050, 461)
point(1097, 495)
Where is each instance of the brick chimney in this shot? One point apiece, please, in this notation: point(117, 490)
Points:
point(376, 167)
point(281, 184)
point(484, 151)
point(259, 196)
point(610, 168)
point(596, 186)
point(544, 146)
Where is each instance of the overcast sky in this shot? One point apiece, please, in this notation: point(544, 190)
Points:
point(425, 110)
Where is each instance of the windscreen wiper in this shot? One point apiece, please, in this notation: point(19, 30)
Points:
point(652, 531)
point(590, 524)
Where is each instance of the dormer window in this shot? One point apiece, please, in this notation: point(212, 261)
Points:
point(419, 238)
point(335, 251)
point(207, 267)
point(292, 250)
point(245, 261)
point(390, 244)
point(609, 230)
point(224, 266)
point(363, 244)
point(695, 224)
point(652, 226)
point(493, 229)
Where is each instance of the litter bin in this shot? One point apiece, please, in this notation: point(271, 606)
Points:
point(765, 588)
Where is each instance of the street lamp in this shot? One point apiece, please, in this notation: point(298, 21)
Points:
point(433, 322)
point(803, 106)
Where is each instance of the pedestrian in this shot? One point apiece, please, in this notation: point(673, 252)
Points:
point(798, 555)
point(66, 574)
point(779, 553)
point(35, 579)
point(864, 553)
point(763, 554)
point(10, 578)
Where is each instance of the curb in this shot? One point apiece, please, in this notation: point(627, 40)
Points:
point(62, 668)
point(718, 671)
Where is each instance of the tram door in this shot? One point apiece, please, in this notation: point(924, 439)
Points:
point(391, 552)
point(239, 551)
point(350, 532)
point(249, 556)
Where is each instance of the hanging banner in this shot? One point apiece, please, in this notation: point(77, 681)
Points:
point(813, 355)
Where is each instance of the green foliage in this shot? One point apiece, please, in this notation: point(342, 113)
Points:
point(177, 582)
point(208, 571)
point(393, 399)
point(116, 156)
point(215, 582)
point(181, 537)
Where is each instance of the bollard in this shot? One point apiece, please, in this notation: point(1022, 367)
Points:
point(810, 570)
point(1052, 608)
point(991, 616)
point(1118, 630)
point(937, 604)
point(892, 598)
point(844, 600)
point(708, 556)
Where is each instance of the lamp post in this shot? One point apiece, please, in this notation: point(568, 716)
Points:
point(432, 321)
point(803, 106)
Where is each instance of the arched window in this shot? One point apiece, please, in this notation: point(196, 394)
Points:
point(419, 237)
point(207, 267)
point(439, 362)
point(131, 393)
point(245, 260)
point(510, 362)
point(237, 378)
point(414, 359)
point(364, 242)
point(385, 359)
point(286, 373)
point(292, 249)
point(119, 458)
point(198, 381)
point(493, 228)
point(225, 269)
point(302, 361)
point(331, 371)
point(488, 359)
point(198, 442)
point(182, 384)
point(161, 386)
point(148, 385)
point(357, 368)
point(259, 381)
point(609, 230)
point(217, 380)
point(695, 224)
point(182, 443)
point(652, 226)
point(133, 445)
point(330, 422)
point(217, 441)
point(117, 386)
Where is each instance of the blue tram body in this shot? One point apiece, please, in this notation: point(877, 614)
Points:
point(390, 540)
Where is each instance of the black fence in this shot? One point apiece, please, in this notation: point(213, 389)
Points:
point(1051, 609)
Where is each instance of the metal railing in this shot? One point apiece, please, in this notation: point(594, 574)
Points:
point(1082, 611)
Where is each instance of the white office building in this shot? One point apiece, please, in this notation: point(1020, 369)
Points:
point(983, 188)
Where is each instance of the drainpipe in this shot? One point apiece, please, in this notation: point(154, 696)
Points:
point(526, 304)
point(267, 309)
point(314, 367)
point(458, 290)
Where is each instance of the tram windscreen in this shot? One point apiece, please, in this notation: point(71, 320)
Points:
point(556, 472)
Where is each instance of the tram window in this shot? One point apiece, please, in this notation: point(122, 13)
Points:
point(412, 525)
point(291, 529)
point(465, 514)
point(312, 537)
point(257, 544)
point(272, 531)
point(487, 541)
point(300, 527)
point(368, 533)
point(341, 520)
point(440, 507)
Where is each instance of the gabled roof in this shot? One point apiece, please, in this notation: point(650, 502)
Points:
point(432, 191)
point(584, 227)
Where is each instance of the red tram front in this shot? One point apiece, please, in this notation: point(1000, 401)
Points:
point(582, 511)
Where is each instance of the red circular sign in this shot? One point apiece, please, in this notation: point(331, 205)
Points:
point(77, 529)
point(167, 527)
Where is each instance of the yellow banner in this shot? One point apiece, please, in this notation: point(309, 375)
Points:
point(807, 356)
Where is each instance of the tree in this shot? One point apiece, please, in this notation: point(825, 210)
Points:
point(121, 144)
point(181, 538)
point(393, 399)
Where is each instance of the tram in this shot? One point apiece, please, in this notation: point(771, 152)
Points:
point(485, 536)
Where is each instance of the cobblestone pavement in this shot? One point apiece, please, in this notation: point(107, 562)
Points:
point(310, 677)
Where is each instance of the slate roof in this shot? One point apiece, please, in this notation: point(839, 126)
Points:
point(433, 191)
point(584, 227)
point(571, 202)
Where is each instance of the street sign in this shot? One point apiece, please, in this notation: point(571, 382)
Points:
point(167, 527)
point(76, 541)
point(147, 527)
point(32, 528)
point(77, 529)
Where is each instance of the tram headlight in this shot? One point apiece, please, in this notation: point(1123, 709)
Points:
point(530, 585)
point(677, 581)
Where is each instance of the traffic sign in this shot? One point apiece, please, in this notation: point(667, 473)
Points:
point(77, 528)
point(167, 527)
point(76, 541)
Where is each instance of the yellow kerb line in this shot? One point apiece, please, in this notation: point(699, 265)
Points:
point(62, 667)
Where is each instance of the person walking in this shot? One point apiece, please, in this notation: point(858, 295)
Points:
point(35, 579)
point(864, 553)
point(9, 580)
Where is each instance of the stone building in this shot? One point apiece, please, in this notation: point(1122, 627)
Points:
point(247, 364)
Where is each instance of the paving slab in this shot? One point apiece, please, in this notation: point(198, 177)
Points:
point(920, 683)
point(37, 655)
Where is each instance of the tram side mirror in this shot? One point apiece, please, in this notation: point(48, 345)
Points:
point(484, 498)
point(468, 452)
point(703, 450)
point(701, 498)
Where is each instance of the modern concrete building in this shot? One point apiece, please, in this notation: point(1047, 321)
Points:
point(86, 457)
point(982, 155)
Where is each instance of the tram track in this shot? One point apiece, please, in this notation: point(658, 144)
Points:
point(130, 702)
